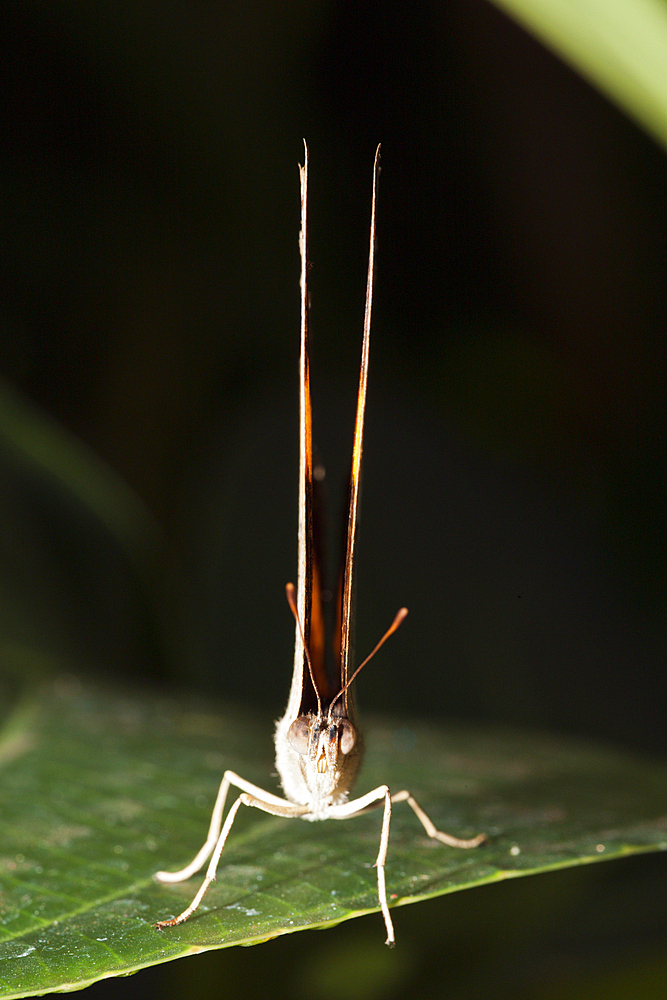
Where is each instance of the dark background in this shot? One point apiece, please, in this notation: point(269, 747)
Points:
point(515, 451)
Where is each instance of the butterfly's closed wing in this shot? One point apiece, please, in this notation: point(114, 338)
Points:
point(318, 749)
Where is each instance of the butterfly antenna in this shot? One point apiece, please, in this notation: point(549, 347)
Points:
point(398, 620)
point(291, 600)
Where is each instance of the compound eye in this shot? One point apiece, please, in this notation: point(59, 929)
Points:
point(298, 735)
point(348, 736)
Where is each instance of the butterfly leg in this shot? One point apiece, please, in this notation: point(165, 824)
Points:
point(373, 800)
point(429, 826)
point(250, 796)
point(211, 837)
point(229, 778)
point(379, 864)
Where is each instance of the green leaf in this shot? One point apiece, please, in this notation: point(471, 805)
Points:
point(619, 45)
point(99, 791)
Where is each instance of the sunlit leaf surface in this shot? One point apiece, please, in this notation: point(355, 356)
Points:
point(619, 45)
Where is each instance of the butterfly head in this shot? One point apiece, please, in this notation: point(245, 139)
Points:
point(321, 739)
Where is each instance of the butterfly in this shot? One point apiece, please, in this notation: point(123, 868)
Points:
point(318, 745)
